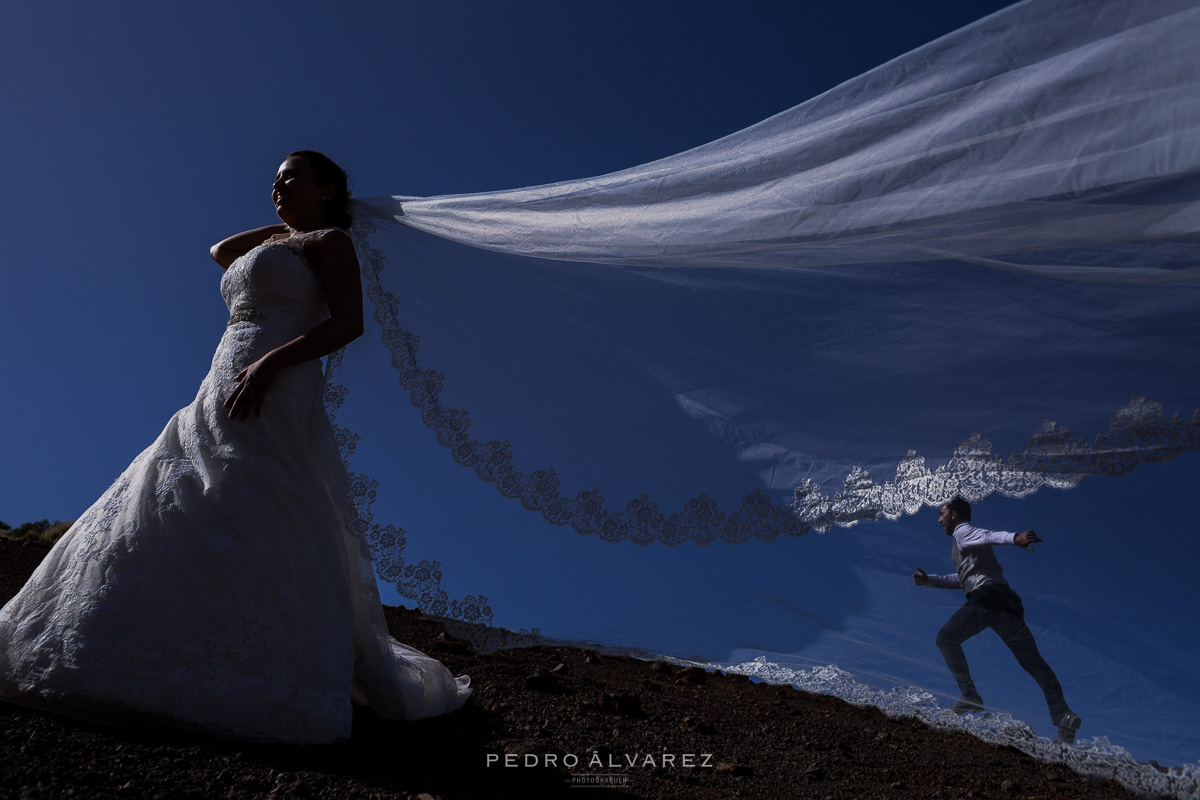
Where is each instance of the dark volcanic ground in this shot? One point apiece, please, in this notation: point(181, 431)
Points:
point(596, 714)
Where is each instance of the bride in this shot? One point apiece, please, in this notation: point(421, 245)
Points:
point(216, 585)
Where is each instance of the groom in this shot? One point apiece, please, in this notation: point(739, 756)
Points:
point(991, 603)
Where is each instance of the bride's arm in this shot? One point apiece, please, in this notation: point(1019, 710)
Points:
point(333, 257)
point(229, 250)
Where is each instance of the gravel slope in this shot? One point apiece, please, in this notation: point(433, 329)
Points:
point(541, 720)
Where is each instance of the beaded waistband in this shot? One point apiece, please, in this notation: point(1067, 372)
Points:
point(244, 315)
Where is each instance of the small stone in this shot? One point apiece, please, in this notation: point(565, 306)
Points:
point(692, 675)
point(734, 769)
point(445, 644)
point(626, 705)
point(696, 725)
point(542, 681)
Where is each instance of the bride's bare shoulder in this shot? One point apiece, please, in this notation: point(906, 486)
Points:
point(330, 247)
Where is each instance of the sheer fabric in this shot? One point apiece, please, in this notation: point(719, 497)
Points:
point(970, 271)
point(1046, 127)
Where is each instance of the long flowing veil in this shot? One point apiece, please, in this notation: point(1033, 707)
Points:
point(973, 270)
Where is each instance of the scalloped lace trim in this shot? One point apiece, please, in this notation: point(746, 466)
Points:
point(1140, 433)
point(384, 545)
point(1097, 757)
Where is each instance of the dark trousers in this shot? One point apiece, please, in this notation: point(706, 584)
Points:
point(1001, 610)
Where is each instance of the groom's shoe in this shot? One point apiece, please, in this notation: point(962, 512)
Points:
point(967, 704)
point(1067, 726)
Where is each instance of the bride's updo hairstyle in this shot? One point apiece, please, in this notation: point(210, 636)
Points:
point(326, 172)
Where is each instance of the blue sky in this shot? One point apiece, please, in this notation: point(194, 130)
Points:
point(138, 134)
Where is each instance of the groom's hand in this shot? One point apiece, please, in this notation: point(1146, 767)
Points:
point(1025, 539)
point(920, 578)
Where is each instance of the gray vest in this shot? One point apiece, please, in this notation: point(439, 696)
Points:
point(976, 566)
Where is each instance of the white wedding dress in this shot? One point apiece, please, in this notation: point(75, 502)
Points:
point(216, 584)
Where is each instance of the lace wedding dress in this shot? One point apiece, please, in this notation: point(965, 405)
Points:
point(216, 584)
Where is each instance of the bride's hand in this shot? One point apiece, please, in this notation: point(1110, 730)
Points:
point(252, 385)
